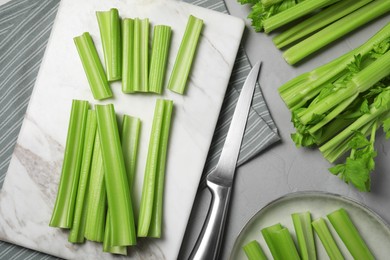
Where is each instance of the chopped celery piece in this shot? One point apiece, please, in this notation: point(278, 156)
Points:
point(109, 26)
point(185, 56)
point(63, 211)
point(129, 139)
point(76, 234)
point(280, 242)
point(152, 191)
point(304, 233)
point(336, 30)
point(118, 192)
point(97, 202)
point(295, 12)
point(127, 52)
point(160, 49)
point(93, 67)
point(327, 240)
point(140, 55)
point(118, 250)
point(253, 251)
point(349, 234)
point(318, 21)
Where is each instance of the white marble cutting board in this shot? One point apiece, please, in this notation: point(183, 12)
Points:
point(28, 195)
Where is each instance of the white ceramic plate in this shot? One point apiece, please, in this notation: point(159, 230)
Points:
point(373, 229)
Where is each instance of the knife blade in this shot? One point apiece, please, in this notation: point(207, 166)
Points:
point(220, 181)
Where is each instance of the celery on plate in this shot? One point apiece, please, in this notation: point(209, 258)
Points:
point(253, 251)
point(141, 55)
point(327, 240)
point(127, 55)
point(185, 56)
point(348, 233)
point(110, 34)
point(63, 211)
point(304, 233)
point(92, 66)
point(336, 30)
point(158, 62)
point(118, 192)
point(76, 234)
point(97, 202)
point(149, 221)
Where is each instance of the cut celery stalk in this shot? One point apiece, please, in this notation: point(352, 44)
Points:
point(295, 12)
point(160, 49)
point(92, 66)
point(151, 199)
point(63, 211)
point(318, 21)
point(349, 234)
point(118, 250)
point(109, 26)
point(127, 52)
point(185, 56)
point(130, 139)
point(97, 202)
point(157, 214)
point(140, 55)
point(327, 240)
point(76, 234)
point(118, 193)
point(253, 251)
point(270, 240)
point(304, 233)
point(336, 30)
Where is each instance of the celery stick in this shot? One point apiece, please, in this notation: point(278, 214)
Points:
point(76, 234)
point(336, 30)
point(97, 202)
point(119, 250)
point(327, 240)
point(118, 193)
point(318, 21)
point(181, 69)
point(304, 233)
point(109, 26)
point(295, 12)
point(280, 242)
point(349, 234)
point(160, 49)
point(253, 251)
point(63, 211)
point(157, 213)
point(270, 239)
point(92, 66)
point(129, 139)
point(127, 52)
point(140, 55)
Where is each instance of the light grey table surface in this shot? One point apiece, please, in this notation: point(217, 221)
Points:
point(283, 168)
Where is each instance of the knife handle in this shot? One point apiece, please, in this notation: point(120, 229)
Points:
point(209, 241)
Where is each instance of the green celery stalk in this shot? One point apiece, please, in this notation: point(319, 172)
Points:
point(97, 202)
point(118, 193)
point(280, 242)
point(63, 211)
point(327, 240)
point(349, 234)
point(295, 12)
point(318, 21)
point(253, 251)
point(92, 66)
point(119, 250)
point(270, 239)
point(109, 26)
point(127, 52)
point(157, 213)
point(336, 30)
point(154, 171)
point(181, 69)
point(140, 55)
point(76, 234)
point(267, 3)
point(304, 233)
point(160, 49)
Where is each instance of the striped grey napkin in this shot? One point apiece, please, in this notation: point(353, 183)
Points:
point(25, 27)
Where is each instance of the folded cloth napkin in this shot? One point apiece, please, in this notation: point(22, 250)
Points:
point(25, 27)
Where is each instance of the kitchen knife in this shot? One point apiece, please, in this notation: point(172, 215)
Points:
point(220, 181)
